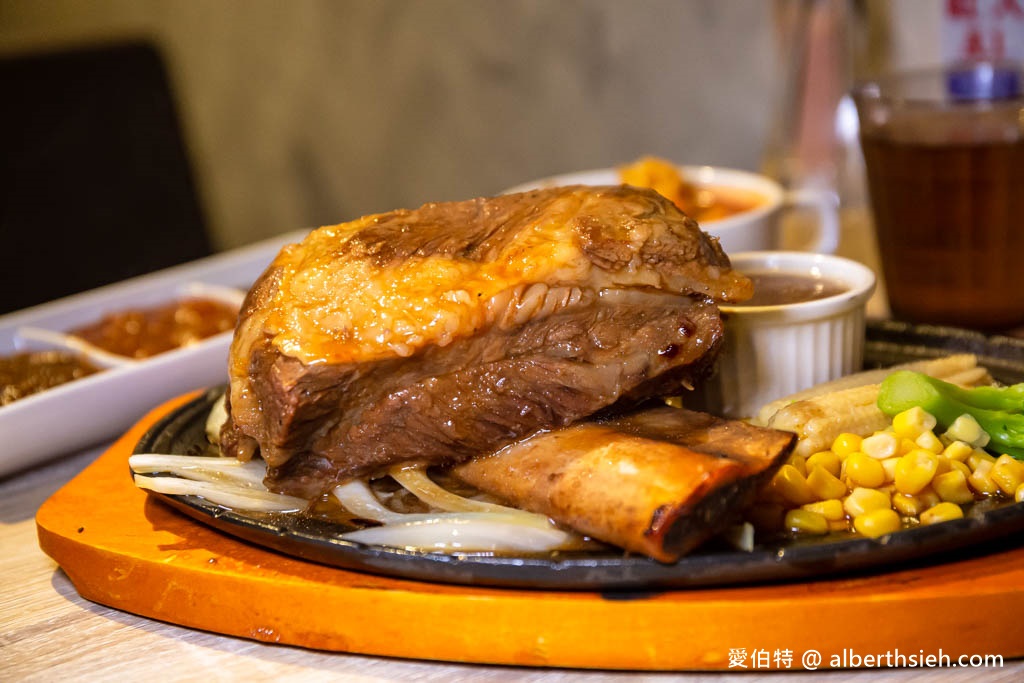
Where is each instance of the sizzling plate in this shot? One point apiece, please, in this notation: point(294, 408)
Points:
point(183, 432)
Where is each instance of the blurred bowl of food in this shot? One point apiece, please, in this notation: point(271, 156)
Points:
point(742, 209)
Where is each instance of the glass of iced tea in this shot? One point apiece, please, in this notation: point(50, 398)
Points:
point(944, 152)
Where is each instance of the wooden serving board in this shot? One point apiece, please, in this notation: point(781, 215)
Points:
point(123, 549)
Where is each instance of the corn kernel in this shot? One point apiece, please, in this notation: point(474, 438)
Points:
point(958, 450)
point(966, 428)
point(799, 463)
point(792, 486)
point(863, 470)
point(952, 487)
point(839, 525)
point(908, 506)
point(929, 442)
point(977, 457)
point(1009, 460)
point(906, 445)
point(981, 479)
point(880, 445)
point(831, 509)
point(960, 467)
point(1007, 473)
point(864, 500)
point(845, 444)
point(806, 522)
point(912, 422)
point(929, 498)
point(824, 485)
point(943, 512)
point(827, 459)
point(889, 465)
point(1018, 496)
point(878, 523)
point(915, 470)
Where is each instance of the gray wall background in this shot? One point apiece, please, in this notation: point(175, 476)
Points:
point(311, 112)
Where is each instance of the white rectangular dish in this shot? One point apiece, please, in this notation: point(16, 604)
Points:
point(89, 410)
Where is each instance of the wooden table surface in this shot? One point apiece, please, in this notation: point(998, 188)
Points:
point(49, 633)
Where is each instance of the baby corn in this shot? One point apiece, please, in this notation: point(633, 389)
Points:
point(959, 368)
point(818, 418)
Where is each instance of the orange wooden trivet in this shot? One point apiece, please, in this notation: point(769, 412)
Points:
point(122, 549)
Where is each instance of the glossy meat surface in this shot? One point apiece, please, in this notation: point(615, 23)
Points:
point(455, 329)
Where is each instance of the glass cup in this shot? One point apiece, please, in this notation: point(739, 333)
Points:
point(944, 152)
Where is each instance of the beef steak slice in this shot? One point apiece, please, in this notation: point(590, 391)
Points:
point(442, 333)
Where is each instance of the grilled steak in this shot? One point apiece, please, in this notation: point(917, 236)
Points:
point(455, 329)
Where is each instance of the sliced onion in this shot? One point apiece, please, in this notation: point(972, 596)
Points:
point(216, 419)
point(415, 479)
point(211, 469)
point(740, 536)
point(357, 498)
point(467, 532)
point(222, 494)
point(488, 528)
point(463, 524)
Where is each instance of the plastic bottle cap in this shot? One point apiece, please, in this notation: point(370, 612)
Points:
point(983, 82)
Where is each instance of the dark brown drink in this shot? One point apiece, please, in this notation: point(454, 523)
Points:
point(950, 226)
point(944, 151)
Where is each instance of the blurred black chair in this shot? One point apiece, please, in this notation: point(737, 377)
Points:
point(95, 180)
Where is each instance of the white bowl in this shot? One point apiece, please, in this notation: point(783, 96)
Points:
point(752, 230)
point(93, 409)
point(774, 351)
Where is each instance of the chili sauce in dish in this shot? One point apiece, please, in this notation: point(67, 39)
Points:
point(24, 374)
point(142, 333)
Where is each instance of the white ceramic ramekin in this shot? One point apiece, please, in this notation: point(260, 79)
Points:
point(774, 351)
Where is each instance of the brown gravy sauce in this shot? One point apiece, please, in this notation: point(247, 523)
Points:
point(143, 333)
point(23, 374)
point(778, 289)
point(132, 333)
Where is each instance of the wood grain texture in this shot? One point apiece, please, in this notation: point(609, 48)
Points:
point(137, 555)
